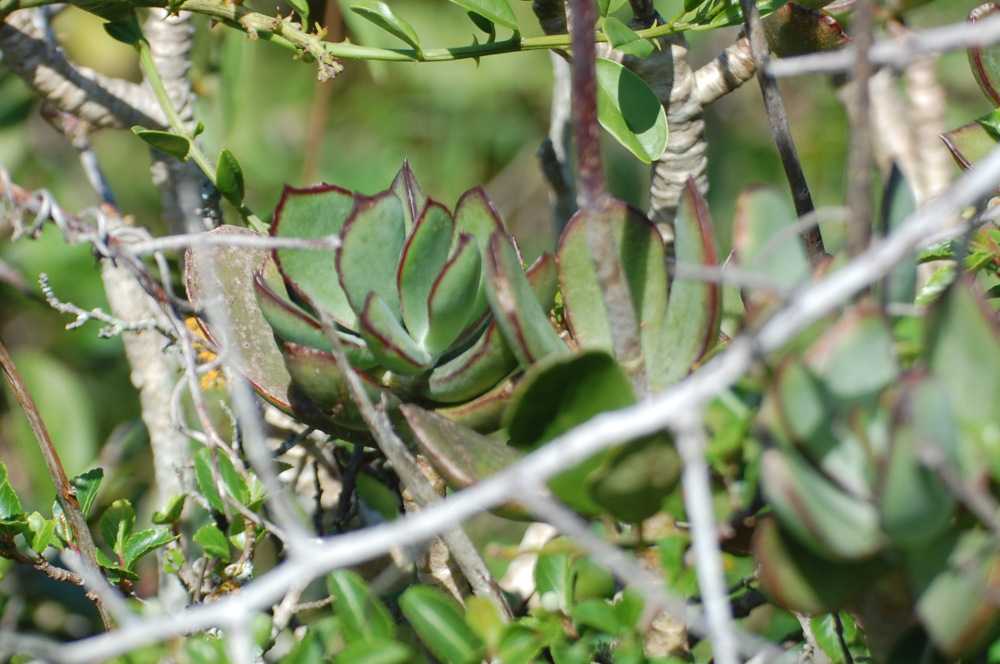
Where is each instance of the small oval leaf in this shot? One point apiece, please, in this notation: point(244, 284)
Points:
point(629, 110)
point(379, 13)
point(167, 143)
point(229, 178)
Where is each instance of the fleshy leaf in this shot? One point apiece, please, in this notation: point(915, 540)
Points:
point(368, 256)
point(525, 325)
point(477, 369)
point(624, 39)
point(363, 617)
point(797, 579)
point(389, 341)
point(985, 62)
point(482, 413)
point(453, 296)
point(694, 311)
point(898, 203)
point(423, 257)
point(855, 359)
point(462, 456)
point(635, 478)
point(969, 143)
point(475, 214)
point(498, 11)
point(796, 30)
point(380, 14)
point(438, 622)
point(315, 212)
point(316, 373)
point(829, 521)
point(406, 188)
point(629, 110)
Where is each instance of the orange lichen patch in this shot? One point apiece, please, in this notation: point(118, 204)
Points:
point(212, 378)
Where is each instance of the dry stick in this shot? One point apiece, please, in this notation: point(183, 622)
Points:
point(462, 550)
point(65, 492)
point(596, 204)
point(779, 128)
point(859, 192)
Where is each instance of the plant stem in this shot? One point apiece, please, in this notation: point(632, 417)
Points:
point(859, 192)
point(65, 492)
point(776, 115)
point(177, 124)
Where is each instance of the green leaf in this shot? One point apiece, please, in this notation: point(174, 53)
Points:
point(694, 312)
point(301, 8)
point(406, 188)
point(380, 14)
point(229, 178)
point(985, 62)
point(898, 203)
point(171, 512)
point(10, 504)
point(610, 6)
point(388, 340)
point(113, 568)
point(368, 256)
point(116, 525)
point(624, 39)
point(214, 542)
point(764, 239)
point(524, 323)
point(453, 296)
point(145, 541)
point(424, 255)
point(42, 532)
point(234, 482)
point(474, 371)
point(386, 652)
point(167, 143)
point(519, 645)
point(127, 30)
point(498, 11)
point(86, 485)
point(597, 614)
point(629, 110)
point(312, 213)
point(205, 475)
point(939, 282)
point(969, 143)
point(482, 615)
point(438, 622)
point(554, 581)
point(307, 651)
point(317, 375)
point(363, 617)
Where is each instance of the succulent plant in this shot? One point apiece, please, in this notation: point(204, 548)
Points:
point(408, 289)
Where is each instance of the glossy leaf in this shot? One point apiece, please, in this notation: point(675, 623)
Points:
point(363, 617)
point(204, 472)
point(367, 258)
point(826, 519)
point(312, 213)
point(381, 15)
point(232, 480)
point(453, 296)
point(629, 110)
point(171, 512)
point(424, 255)
point(145, 541)
point(385, 652)
point(610, 6)
point(42, 533)
point(87, 485)
point(498, 11)
point(10, 504)
point(694, 311)
point(440, 625)
point(167, 143)
point(214, 542)
point(519, 645)
point(229, 178)
point(116, 525)
point(525, 325)
point(125, 29)
point(623, 38)
point(554, 581)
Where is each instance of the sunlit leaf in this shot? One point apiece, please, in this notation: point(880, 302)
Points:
point(440, 625)
point(629, 110)
point(381, 15)
point(167, 143)
point(624, 39)
point(229, 178)
point(498, 11)
point(214, 542)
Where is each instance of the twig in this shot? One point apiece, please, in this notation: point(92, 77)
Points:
point(690, 437)
point(859, 191)
point(65, 492)
point(114, 326)
point(776, 116)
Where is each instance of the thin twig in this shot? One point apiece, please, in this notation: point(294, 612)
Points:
point(65, 492)
point(859, 192)
point(778, 119)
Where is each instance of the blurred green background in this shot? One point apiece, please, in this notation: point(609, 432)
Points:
point(460, 124)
